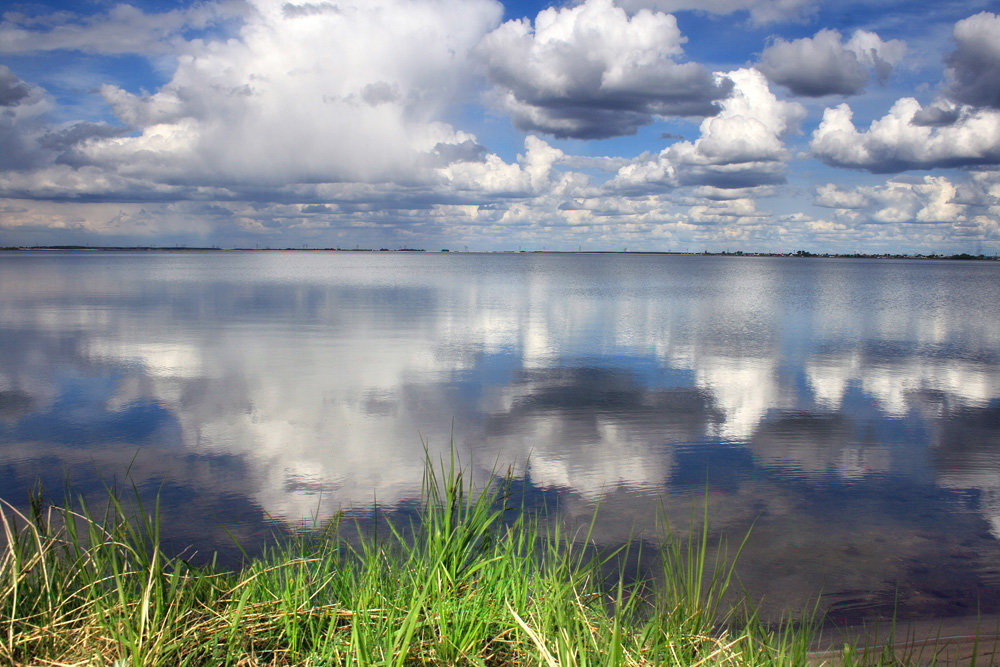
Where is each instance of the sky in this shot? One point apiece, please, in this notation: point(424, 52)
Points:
point(601, 125)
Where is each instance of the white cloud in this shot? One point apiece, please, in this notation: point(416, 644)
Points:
point(740, 147)
point(713, 193)
point(960, 129)
point(591, 71)
point(123, 29)
point(938, 198)
point(533, 173)
point(831, 196)
point(896, 142)
point(974, 67)
point(825, 65)
point(932, 199)
point(348, 96)
point(22, 108)
point(726, 212)
point(345, 121)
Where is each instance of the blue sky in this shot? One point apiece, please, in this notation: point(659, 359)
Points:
point(748, 125)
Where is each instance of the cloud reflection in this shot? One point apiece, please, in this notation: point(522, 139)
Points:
point(293, 385)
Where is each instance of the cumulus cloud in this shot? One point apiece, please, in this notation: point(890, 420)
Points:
point(293, 10)
point(63, 140)
point(974, 67)
point(592, 71)
point(740, 147)
point(959, 129)
point(12, 89)
point(726, 211)
point(938, 114)
point(931, 199)
point(313, 96)
point(22, 110)
point(713, 193)
point(123, 29)
point(760, 11)
point(897, 141)
point(831, 196)
point(533, 173)
point(825, 65)
point(337, 121)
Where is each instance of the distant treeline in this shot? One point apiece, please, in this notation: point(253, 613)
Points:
point(964, 255)
point(114, 248)
point(199, 249)
point(724, 253)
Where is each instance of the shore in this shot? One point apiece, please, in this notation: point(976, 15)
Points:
point(962, 640)
point(474, 580)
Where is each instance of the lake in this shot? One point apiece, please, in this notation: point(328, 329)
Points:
point(844, 411)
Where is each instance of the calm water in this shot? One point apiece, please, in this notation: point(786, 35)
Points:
point(849, 409)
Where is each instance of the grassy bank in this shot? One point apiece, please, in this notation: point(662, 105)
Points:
point(472, 581)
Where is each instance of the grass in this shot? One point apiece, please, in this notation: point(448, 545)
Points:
point(473, 580)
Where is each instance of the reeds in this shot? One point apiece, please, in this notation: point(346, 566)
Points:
point(472, 580)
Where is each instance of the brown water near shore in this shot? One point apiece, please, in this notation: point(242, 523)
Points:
point(965, 640)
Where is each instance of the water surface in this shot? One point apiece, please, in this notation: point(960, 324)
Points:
point(848, 409)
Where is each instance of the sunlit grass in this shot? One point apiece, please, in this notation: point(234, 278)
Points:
point(474, 579)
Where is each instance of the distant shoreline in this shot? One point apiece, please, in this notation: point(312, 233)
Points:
point(797, 254)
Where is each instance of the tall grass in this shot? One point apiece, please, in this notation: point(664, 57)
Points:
point(473, 579)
